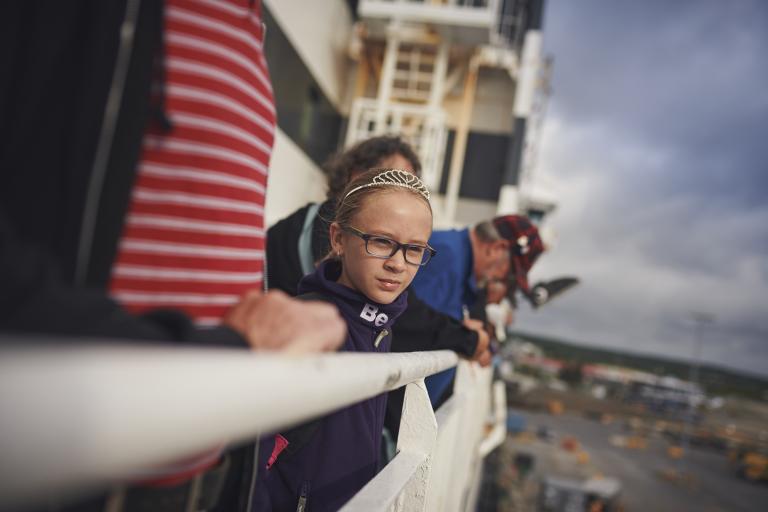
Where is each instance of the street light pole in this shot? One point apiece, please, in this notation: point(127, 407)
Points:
point(701, 320)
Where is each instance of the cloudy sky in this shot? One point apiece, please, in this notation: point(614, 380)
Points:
point(657, 137)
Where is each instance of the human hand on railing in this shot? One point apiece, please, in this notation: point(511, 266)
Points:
point(484, 359)
point(482, 354)
point(275, 321)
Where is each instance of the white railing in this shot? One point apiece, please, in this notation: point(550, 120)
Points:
point(78, 418)
point(495, 22)
point(421, 126)
point(482, 15)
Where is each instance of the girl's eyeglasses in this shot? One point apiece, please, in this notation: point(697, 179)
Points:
point(382, 247)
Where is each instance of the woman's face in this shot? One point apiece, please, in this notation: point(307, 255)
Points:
point(395, 214)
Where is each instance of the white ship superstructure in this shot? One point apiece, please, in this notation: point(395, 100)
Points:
point(464, 81)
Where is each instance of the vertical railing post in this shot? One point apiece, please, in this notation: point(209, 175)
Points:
point(434, 118)
point(357, 112)
point(456, 439)
point(418, 433)
point(483, 406)
point(386, 80)
point(465, 387)
point(460, 143)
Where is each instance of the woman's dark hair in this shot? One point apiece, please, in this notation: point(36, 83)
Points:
point(363, 156)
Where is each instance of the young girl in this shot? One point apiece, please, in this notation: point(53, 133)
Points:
point(378, 243)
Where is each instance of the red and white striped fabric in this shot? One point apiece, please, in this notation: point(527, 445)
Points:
point(194, 235)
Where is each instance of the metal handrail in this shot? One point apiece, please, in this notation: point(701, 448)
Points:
point(83, 416)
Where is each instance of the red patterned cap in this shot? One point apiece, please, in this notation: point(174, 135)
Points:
point(525, 246)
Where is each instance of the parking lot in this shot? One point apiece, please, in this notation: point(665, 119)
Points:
point(651, 481)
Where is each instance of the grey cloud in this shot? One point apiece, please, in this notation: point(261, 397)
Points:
point(656, 137)
point(682, 76)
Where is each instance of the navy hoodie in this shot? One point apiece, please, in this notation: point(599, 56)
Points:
point(339, 453)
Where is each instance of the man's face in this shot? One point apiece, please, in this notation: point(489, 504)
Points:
point(492, 262)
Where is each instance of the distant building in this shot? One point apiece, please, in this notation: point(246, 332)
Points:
point(663, 394)
point(613, 381)
point(519, 348)
point(667, 395)
point(546, 366)
point(527, 355)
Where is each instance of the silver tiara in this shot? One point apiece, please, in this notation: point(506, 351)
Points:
point(395, 178)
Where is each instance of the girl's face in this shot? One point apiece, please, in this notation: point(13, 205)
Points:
point(395, 214)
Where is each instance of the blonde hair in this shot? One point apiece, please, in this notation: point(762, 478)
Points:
point(372, 182)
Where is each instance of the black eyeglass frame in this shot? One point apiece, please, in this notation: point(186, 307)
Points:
point(397, 246)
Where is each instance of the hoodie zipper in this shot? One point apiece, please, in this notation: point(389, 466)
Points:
point(302, 505)
point(382, 334)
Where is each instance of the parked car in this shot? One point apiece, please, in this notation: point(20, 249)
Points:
point(571, 495)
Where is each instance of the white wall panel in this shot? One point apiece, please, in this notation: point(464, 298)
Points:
point(319, 30)
point(294, 180)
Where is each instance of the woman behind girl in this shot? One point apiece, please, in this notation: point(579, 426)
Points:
point(378, 242)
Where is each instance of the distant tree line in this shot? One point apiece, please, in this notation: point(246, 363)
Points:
point(715, 380)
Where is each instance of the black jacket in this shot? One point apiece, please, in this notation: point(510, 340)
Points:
point(58, 63)
point(58, 60)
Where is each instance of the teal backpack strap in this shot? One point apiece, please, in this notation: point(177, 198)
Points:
point(305, 240)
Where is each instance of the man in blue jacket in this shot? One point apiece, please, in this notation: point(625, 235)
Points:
point(502, 249)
